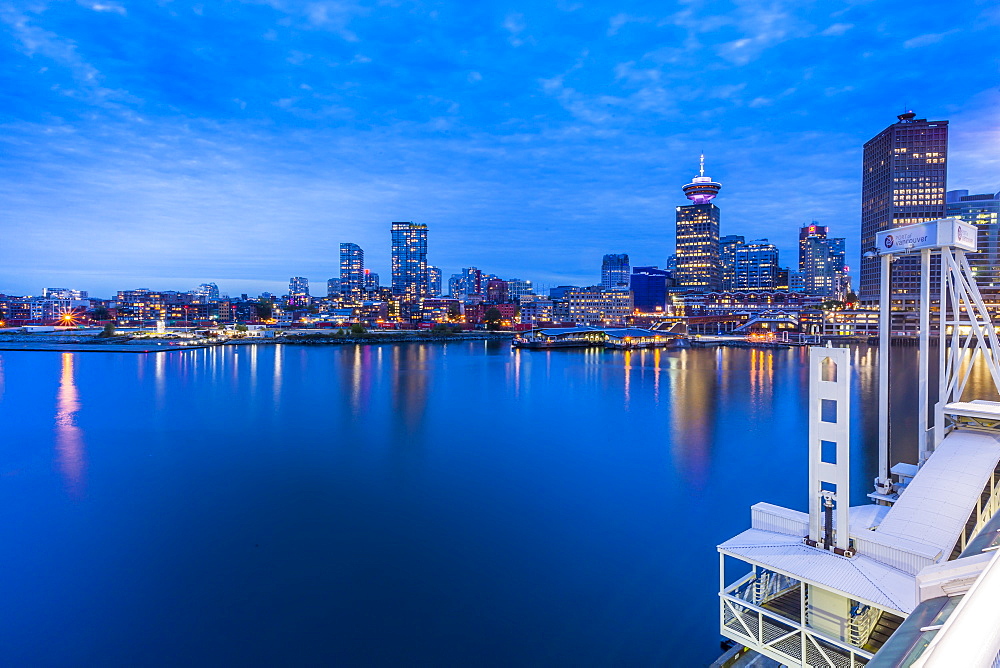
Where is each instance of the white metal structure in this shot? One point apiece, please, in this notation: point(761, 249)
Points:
point(829, 443)
point(964, 330)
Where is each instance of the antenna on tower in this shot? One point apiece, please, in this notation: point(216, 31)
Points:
point(701, 169)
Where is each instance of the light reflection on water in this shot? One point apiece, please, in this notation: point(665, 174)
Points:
point(69, 437)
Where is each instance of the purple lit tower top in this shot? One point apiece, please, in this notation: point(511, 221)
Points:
point(702, 189)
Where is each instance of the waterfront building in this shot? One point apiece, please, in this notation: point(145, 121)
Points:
point(649, 289)
point(598, 307)
point(496, 291)
point(372, 284)
point(409, 260)
point(727, 256)
point(440, 310)
point(560, 291)
point(66, 293)
point(333, 287)
point(466, 283)
point(615, 272)
point(298, 291)
point(352, 271)
point(517, 289)
point(983, 211)
point(208, 292)
point(699, 266)
point(755, 266)
point(821, 261)
point(433, 281)
point(904, 181)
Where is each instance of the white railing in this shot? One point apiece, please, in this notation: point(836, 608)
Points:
point(785, 640)
point(768, 517)
point(863, 619)
point(905, 555)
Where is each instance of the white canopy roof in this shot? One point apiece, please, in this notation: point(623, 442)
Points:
point(860, 577)
point(937, 503)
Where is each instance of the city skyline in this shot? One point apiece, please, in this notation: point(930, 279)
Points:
point(243, 148)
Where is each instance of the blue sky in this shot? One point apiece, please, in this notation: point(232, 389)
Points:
point(164, 144)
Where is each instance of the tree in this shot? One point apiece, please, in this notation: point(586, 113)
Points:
point(358, 328)
point(492, 318)
point(265, 309)
point(101, 313)
point(240, 327)
point(851, 298)
point(454, 312)
point(109, 331)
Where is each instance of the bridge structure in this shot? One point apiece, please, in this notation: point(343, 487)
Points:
point(906, 578)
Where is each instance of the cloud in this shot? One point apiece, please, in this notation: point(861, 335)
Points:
point(514, 25)
point(837, 29)
point(926, 40)
point(107, 7)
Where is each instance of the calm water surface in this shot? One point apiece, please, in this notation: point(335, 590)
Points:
point(453, 505)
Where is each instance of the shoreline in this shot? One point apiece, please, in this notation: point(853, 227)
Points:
point(78, 343)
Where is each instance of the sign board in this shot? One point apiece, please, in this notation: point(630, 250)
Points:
point(951, 232)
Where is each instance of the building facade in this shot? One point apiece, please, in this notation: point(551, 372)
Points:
point(615, 271)
point(698, 263)
point(983, 211)
point(904, 178)
point(649, 289)
point(298, 291)
point(755, 266)
point(821, 261)
point(433, 281)
point(409, 260)
point(727, 256)
point(352, 271)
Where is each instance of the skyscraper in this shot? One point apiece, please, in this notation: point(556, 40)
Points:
point(298, 291)
point(698, 261)
point(727, 257)
point(755, 266)
point(821, 261)
point(615, 272)
point(903, 182)
point(983, 211)
point(409, 260)
point(352, 271)
point(433, 281)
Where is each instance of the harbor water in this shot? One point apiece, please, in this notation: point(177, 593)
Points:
point(419, 504)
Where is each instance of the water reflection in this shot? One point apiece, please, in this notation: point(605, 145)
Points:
point(693, 395)
point(69, 437)
point(410, 376)
point(1, 378)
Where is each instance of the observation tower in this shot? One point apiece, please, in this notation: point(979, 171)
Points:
point(702, 189)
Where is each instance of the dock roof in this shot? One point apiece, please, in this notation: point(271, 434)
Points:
point(860, 577)
point(937, 503)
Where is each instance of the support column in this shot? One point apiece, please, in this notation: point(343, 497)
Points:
point(925, 346)
point(942, 347)
point(884, 341)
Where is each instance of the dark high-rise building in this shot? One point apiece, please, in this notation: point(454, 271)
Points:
point(821, 261)
point(649, 288)
point(699, 266)
point(615, 271)
point(352, 271)
point(409, 260)
point(903, 182)
point(983, 211)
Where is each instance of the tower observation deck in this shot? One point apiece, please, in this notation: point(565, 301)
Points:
point(702, 189)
